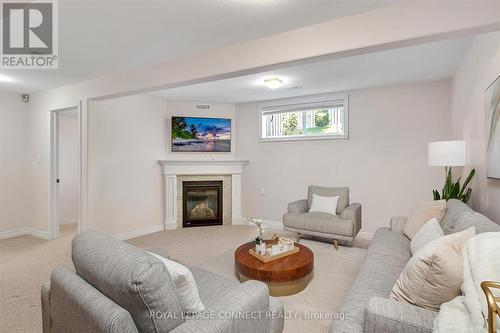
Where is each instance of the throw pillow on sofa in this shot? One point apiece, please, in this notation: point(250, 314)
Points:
point(324, 204)
point(185, 284)
point(434, 274)
point(430, 231)
point(424, 211)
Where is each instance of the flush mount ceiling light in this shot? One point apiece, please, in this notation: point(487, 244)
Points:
point(273, 83)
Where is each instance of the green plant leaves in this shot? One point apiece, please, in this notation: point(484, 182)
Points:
point(453, 190)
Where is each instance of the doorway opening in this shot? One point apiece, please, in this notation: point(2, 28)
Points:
point(65, 177)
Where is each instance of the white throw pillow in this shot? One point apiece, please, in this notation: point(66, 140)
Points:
point(324, 204)
point(434, 275)
point(185, 283)
point(426, 234)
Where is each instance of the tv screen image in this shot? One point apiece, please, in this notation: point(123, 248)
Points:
point(195, 134)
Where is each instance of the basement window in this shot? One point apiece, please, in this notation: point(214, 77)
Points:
point(313, 118)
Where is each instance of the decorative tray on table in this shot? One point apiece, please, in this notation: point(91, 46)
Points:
point(276, 248)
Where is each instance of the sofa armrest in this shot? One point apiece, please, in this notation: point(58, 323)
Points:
point(386, 315)
point(297, 207)
point(45, 289)
point(243, 310)
point(353, 213)
point(398, 224)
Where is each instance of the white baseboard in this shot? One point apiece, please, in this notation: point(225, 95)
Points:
point(24, 231)
point(69, 220)
point(365, 235)
point(140, 232)
point(170, 224)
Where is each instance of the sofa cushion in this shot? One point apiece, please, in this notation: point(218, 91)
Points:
point(341, 192)
point(211, 286)
point(429, 232)
point(130, 277)
point(386, 257)
point(459, 217)
point(422, 213)
point(434, 275)
point(320, 222)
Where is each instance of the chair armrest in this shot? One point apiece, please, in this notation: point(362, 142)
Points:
point(386, 315)
point(353, 213)
point(398, 224)
point(45, 289)
point(159, 251)
point(243, 310)
point(76, 306)
point(297, 207)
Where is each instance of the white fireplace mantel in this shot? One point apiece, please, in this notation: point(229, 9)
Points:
point(174, 168)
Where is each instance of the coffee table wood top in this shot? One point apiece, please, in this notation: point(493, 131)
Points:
point(289, 268)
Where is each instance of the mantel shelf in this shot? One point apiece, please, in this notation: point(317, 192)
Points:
point(202, 167)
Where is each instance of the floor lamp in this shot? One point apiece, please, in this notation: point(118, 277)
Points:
point(447, 154)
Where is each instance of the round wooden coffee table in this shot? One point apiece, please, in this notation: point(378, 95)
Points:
point(284, 276)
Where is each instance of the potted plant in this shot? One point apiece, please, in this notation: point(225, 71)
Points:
point(453, 190)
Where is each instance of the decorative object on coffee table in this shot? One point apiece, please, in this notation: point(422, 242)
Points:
point(277, 247)
point(284, 276)
point(260, 245)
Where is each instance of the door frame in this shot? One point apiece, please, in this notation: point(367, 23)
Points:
point(53, 223)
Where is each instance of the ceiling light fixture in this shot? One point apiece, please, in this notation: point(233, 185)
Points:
point(273, 83)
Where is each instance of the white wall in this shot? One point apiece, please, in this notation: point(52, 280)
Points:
point(480, 67)
point(127, 136)
point(15, 186)
point(68, 196)
point(384, 161)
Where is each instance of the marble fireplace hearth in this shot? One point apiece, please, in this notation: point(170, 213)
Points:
point(177, 172)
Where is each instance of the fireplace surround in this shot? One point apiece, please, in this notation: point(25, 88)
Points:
point(176, 172)
point(202, 203)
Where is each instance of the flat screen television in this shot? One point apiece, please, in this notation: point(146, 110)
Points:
point(196, 134)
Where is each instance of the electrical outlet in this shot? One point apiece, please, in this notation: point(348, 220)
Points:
point(262, 191)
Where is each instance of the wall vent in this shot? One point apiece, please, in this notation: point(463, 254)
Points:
point(202, 107)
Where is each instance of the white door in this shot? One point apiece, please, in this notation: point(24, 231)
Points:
point(67, 165)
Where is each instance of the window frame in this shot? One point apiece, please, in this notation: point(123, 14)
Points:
point(292, 104)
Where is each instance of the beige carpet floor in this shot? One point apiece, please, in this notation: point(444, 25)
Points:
point(26, 262)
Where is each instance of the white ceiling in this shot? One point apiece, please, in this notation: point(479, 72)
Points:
point(101, 37)
point(425, 62)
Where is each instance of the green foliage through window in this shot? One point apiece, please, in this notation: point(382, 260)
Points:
point(322, 118)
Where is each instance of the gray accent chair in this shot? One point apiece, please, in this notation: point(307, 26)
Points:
point(118, 288)
point(342, 227)
point(367, 302)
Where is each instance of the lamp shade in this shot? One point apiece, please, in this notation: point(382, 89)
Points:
point(447, 153)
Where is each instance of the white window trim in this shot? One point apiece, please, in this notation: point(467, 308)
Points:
point(295, 102)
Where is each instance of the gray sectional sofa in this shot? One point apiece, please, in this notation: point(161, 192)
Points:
point(367, 302)
point(118, 288)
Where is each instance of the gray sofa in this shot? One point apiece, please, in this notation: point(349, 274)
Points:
point(343, 226)
point(367, 303)
point(118, 288)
